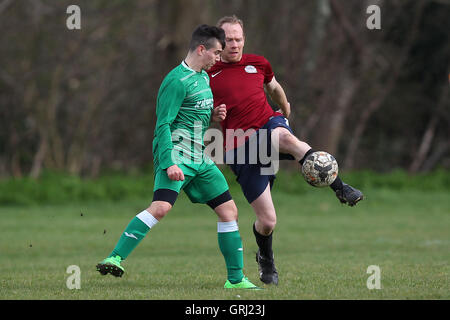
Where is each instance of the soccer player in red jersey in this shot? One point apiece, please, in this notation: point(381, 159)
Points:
point(240, 81)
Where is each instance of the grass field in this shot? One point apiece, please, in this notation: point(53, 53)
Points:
point(322, 249)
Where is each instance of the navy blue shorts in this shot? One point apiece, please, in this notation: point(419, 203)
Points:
point(248, 170)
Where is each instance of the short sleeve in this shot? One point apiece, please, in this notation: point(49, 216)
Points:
point(268, 73)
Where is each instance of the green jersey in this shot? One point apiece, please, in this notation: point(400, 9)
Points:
point(183, 112)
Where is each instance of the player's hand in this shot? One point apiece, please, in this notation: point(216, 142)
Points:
point(219, 113)
point(175, 173)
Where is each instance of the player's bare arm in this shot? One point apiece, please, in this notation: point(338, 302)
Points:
point(278, 96)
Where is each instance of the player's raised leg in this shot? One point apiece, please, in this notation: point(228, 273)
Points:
point(288, 143)
point(300, 150)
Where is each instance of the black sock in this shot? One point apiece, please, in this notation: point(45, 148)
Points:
point(337, 184)
point(264, 243)
point(306, 154)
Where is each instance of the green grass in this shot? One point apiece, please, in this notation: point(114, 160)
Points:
point(322, 249)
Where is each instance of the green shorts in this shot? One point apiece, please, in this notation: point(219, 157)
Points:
point(201, 183)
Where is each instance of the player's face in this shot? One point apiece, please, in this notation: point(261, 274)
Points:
point(212, 55)
point(234, 39)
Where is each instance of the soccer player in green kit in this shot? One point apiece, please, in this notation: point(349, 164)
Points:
point(183, 111)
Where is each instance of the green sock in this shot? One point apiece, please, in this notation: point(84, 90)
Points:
point(230, 244)
point(133, 234)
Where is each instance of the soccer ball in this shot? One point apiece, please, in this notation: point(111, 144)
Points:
point(320, 169)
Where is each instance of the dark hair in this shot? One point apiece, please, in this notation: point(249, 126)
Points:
point(205, 35)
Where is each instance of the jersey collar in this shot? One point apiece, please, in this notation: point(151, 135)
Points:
point(187, 67)
point(242, 58)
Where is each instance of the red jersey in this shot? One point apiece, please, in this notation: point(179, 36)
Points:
point(240, 86)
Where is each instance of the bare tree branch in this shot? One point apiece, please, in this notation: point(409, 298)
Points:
point(348, 28)
point(427, 139)
point(376, 103)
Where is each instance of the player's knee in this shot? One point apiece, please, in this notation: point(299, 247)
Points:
point(268, 223)
point(159, 209)
point(232, 212)
point(227, 211)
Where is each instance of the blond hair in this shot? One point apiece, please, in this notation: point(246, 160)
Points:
point(230, 19)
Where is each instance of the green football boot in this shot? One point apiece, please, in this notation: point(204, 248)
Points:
point(244, 284)
point(111, 265)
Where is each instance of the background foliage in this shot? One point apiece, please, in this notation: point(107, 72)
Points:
point(62, 188)
point(82, 101)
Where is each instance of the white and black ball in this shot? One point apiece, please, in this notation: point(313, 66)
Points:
point(320, 169)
